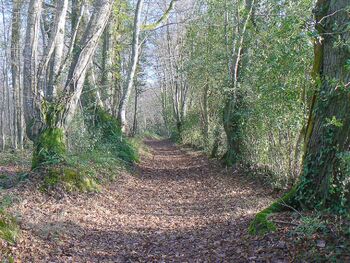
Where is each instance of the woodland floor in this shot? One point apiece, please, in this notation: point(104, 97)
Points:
point(177, 207)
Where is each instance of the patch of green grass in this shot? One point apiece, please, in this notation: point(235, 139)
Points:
point(85, 172)
point(138, 144)
point(111, 137)
point(98, 163)
point(108, 152)
point(9, 229)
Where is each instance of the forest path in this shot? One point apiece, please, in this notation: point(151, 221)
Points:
point(178, 207)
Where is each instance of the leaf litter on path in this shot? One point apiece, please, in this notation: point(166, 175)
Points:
point(178, 207)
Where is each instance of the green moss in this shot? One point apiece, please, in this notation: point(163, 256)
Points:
point(70, 179)
point(49, 148)
point(112, 138)
point(9, 229)
point(261, 225)
point(108, 125)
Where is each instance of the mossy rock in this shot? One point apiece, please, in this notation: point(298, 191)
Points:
point(70, 179)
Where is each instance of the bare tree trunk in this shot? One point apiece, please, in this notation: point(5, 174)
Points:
point(56, 48)
point(134, 126)
point(132, 67)
point(30, 56)
point(16, 72)
point(107, 66)
point(2, 120)
point(9, 93)
point(205, 115)
point(88, 44)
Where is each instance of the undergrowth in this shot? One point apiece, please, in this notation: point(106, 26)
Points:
point(17, 158)
point(9, 229)
point(322, 237)
point(97, 152)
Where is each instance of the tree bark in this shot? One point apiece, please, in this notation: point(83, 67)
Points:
point(107, 66)
point(79, 65)
point(134, 126)
point(47, 119)
point(324, 181)
point(132, 67)
point(57, 47)
point(16, 72)
point(30, 56)
point(205, 115)
point(234, 106)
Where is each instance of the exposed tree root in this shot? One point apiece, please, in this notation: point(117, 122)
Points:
point(261, 225)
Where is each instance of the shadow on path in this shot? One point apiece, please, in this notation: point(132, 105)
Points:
point(178, 207)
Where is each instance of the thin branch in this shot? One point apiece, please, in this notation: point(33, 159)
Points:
point(164, 17)
point(334, 13)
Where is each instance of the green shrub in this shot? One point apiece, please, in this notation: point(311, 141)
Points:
point(106, 131)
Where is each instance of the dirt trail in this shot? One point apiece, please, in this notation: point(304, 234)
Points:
point(178, 207)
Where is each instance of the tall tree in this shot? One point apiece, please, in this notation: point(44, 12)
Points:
point(16, 72)
point(135, 54)
point(326, 166)
point(234, 106)
point(132, 67)
point(47, 118)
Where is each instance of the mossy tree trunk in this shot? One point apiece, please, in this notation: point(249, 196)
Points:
point(49, 148)
point(232, 126)
point(325, 178)
point(50, 143)
point(47, 116)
